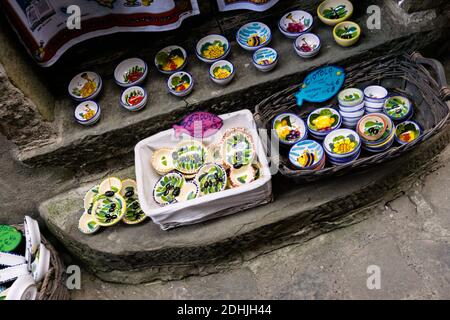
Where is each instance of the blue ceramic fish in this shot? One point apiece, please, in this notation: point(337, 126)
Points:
point(321, 85)
point(199, 125)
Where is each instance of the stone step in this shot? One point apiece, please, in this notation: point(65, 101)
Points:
point(137, 254)
point(119, 130)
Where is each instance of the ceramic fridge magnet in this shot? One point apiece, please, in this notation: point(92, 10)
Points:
point(212, 48)
point(321, 85)
point(199, 125)
point(211, 178)
point(265, 59)
point(168, 188)
point(189, 156)
point(109, 186)
point(162, 160)
point(87, 113)
point(85, 86)
point(180, 84)
point(131, 72)
point(295, 23)
point(307, 45)
point(398, 108)
point(10, 238)
point(238, 148)
point(214, 154)
point(332, 12)
point(307, 155)
point(134, 98)
point(134, 213)
point(41, 264)
point(189, 191)
point(346, 33)
point(109, 208)
point(222, 72)
point(253, 35)
point(87, 224)
point(32, 238)
point(243, 175)
point(171, 59)
point(289, 128)
point(407, 131)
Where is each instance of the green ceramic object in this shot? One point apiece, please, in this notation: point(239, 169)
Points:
point(10, 238)
point(211, 178)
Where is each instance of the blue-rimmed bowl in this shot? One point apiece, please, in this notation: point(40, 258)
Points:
point(295, 23)
point(306, 154)
point(307, 45)
point(398, 108)
point(375, 94)
point(180, 84)
point(342, 144)
point(130, 72)
point(134, 98)
point(293, 123)
point(356, 108)
point(340, 162)
point(87, 113)
point(350, 97)
point(218, 68)
point(265, 59)
point(208, 49)
point(253, 36)
point(171, 59)
point(321, 131)
point(85, 81)
point(407, 131)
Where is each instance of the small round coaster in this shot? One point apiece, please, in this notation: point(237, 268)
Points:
point(111, 184)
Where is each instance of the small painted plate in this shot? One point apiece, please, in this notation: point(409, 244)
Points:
point(41, 264)
point(214, 154)
point(397, 107)
point(371, 127)
point(10, 238)
point(306, 154)
point(130, 72)
point(189, 156)
point(134, 98)
point(162, 160)
point(180, 84)
point(87, 224)
point(111, 184)
point(89, 199)
point(109, 210)
point(342, 143)
point(85, 86)
point(211, 178)
point(238, 148)
point(87, 113)
point(253, 35)
point(290, 128)
point(189, 191)
point(243, 175)
point(212, 48)
point(406, 132)
point(171, 59)
point(168, 188)
point(324, 120)
point(134, 213)
point(296, 22)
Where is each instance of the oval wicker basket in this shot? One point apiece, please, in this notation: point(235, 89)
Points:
point(53, 287)
point(405, 74)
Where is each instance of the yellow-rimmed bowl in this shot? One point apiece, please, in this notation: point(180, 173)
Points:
point(340, 9)
point(346, 33)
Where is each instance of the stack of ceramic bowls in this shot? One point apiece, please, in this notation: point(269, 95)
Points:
point(351, 106)
point(307, 155)
point(134, 98)
point(398, 108)
point(87, 113)
point(342, 146)
point(322, 121)
point(377, 132)
point(289, 128)
point(374, 98)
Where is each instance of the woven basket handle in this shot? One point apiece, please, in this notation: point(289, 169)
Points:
point(438, 69)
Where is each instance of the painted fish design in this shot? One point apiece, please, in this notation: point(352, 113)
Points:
point(199, 125)
point(255, 40)
point(306, 159)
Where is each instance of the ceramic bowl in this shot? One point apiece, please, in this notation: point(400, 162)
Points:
point(85, 86)
point(352, 109)
point(349, 125)
point(322, 121)
point(374, 105)
point(265, 59)
point(180, 84)
point(350, 97)
point(407, 131)
point(398, 108)
point(211, 178)
point(375, 94)
point(372, 127)
point(130, 72)
point(222, 72)
point(306, 154)
point(253, 36)
point(168, 188)
point(346, 33)
point(342, 144)
point(307, 45)
point(352, 115)
point(171, 59)
point(212, 48)
point(189, 156)
point(295, 23)
point(87, 113)
point(134, 98)
point(289, 128)
point(332, 12)
point(238, 148)
point(340, 162)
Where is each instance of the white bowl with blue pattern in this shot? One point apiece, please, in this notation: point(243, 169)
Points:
point(253, 36)
point(311, 153)
point(265, 59)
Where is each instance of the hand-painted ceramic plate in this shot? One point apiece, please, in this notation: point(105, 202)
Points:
point(41, 264)
point(171, 59)
point(212, 48)
point(397, 107)
point(238, 148)
point(134, 213)
point(32, 237)
point(87, 224)
point(241, 176)
point(130, 72)
point(162, 160)
point(306, 154)
point(290, 128)
point(168, 188)
point(111, 184)
point(189, 156)
point(109, 210)
point(211, 178)
point(253, 35)
point(89, 199)
point(189, 191)
point(10, 238)
point(85, 86)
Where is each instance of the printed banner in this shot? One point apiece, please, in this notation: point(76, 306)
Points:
point(255, 5)
point(42, 24)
